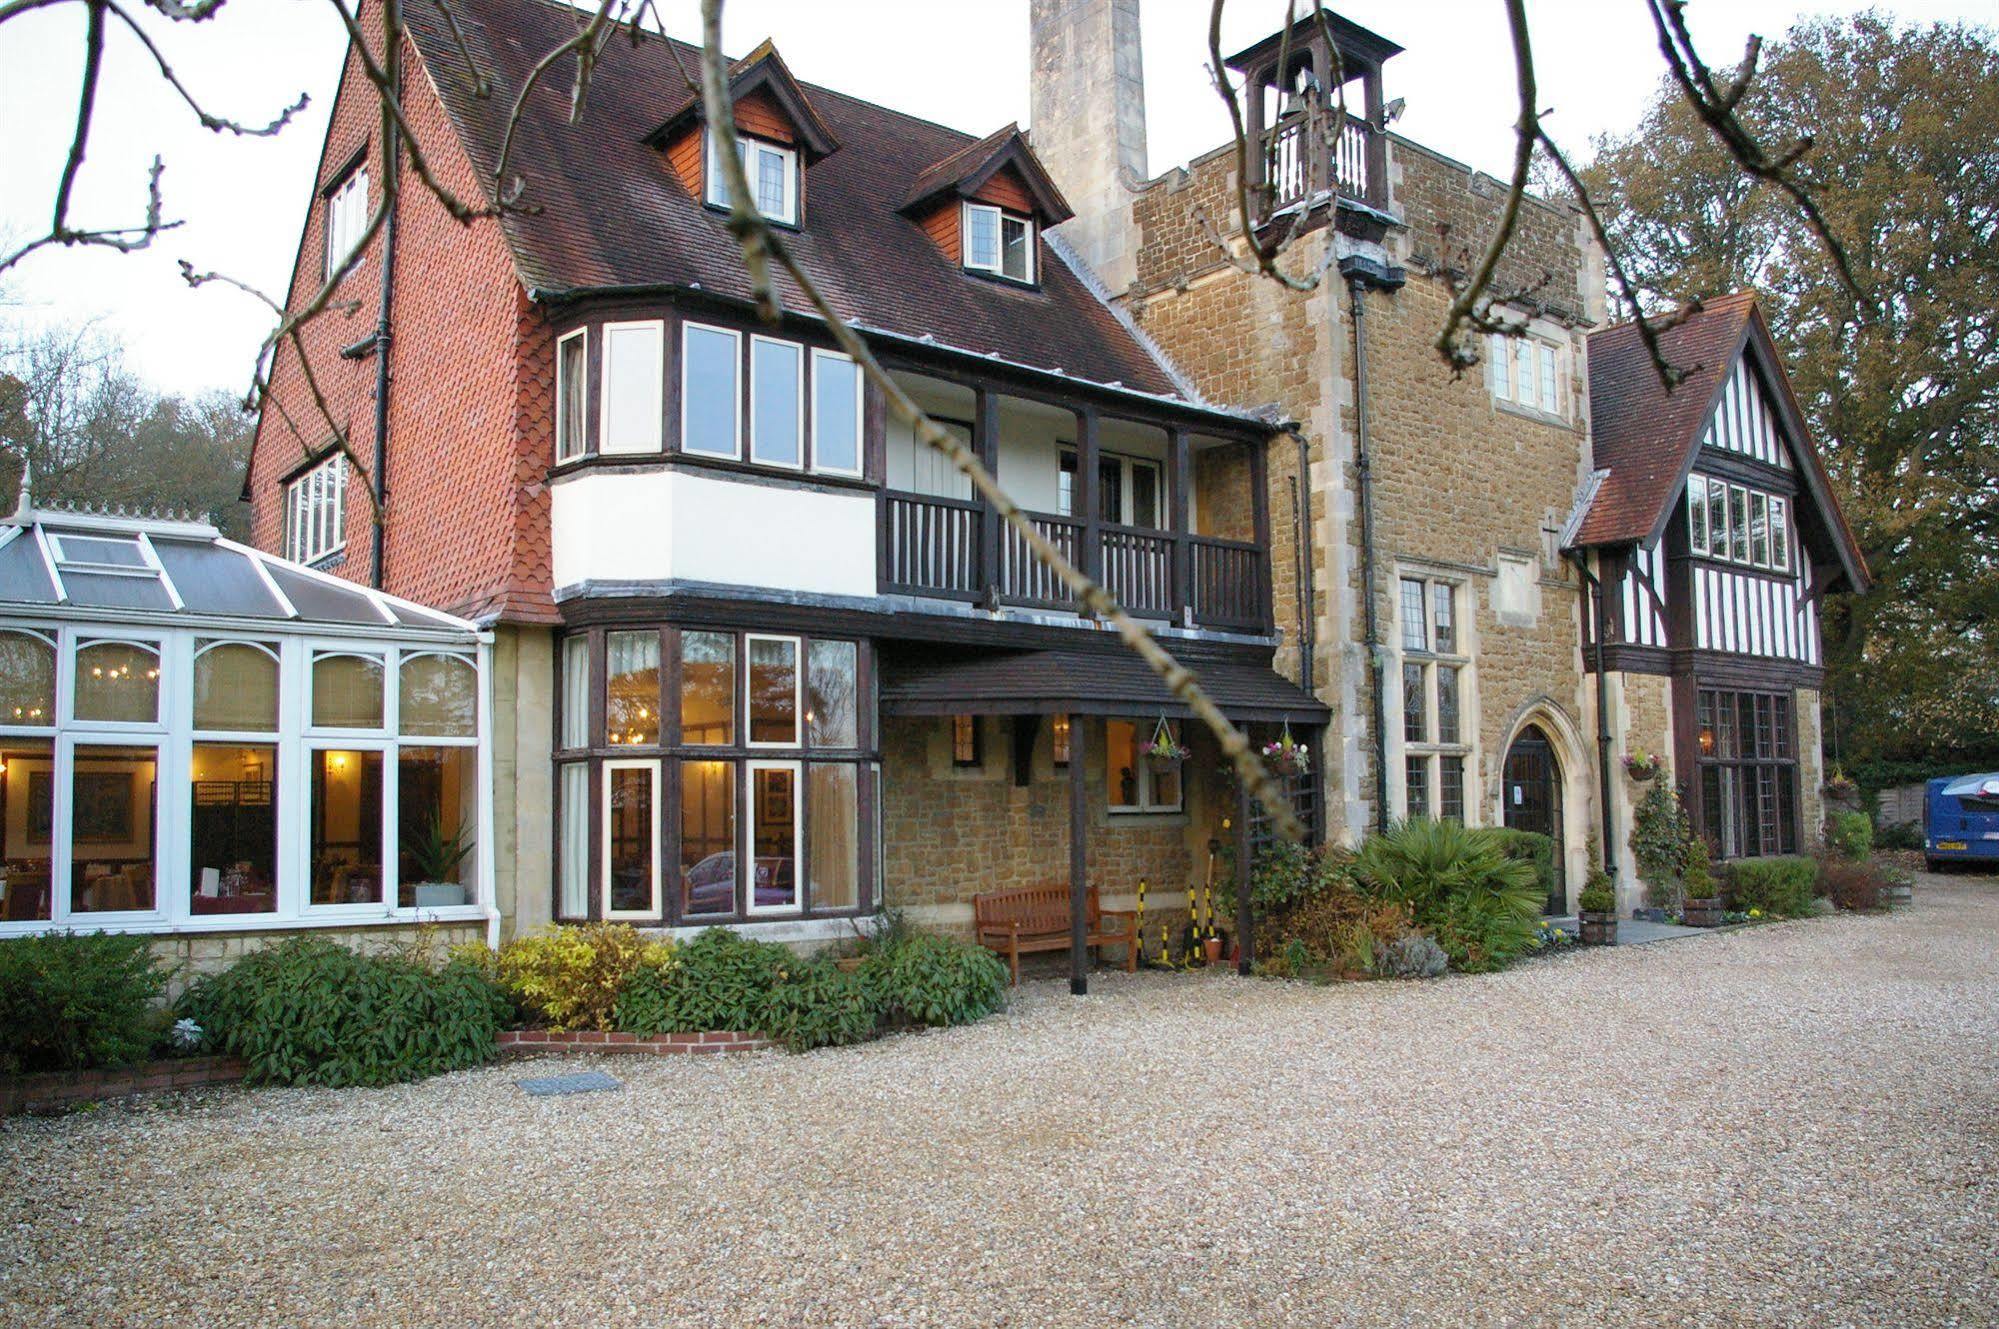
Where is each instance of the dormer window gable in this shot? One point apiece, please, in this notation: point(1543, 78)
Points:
point(778, 136)
point(986, 205)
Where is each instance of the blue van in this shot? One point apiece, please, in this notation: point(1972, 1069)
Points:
point(1961, 820)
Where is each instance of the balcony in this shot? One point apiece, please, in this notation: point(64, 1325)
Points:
point(1304, 164)
point(1312, 104)
point(1177, 515)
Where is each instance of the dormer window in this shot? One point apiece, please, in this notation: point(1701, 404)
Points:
point(773, 174)
point(999, 242)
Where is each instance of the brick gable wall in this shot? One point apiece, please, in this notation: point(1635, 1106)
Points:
point(470, 406)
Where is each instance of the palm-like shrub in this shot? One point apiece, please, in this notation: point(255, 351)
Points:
point(1459, 885)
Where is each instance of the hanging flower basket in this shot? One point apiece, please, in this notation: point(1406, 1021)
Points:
point(1642, 767)
point(1287, 757)
point(1165, 752)
point(1840, 788)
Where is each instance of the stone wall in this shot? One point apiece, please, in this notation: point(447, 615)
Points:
point(1811, 770)
point(195, 954)
point(950, 833)
point(1641, 720)
point(1462, 484)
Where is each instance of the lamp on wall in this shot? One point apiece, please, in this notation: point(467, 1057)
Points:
point(1707, 741)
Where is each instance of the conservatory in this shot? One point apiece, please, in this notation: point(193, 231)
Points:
point(196, 736)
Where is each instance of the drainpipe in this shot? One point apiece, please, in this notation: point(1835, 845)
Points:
point(1301, 494)
point(1603, 739)
point(1357, 283)
point(391, 163)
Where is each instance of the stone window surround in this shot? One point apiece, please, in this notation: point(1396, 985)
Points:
point(1399, 750)
point(1548, 332)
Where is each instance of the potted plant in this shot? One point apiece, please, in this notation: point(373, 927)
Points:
point(1596, 907)
point(435, 859)
point(1641, 766)
point(1702, 908)
point(1287, 756)
point(1165, 751)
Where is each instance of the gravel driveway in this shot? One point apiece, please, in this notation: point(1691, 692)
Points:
point(1797, 1124)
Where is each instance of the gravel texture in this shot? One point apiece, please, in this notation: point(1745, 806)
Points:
point(1793, 1124)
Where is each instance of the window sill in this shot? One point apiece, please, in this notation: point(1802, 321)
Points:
point(154, 925)
point(1531, 413)
point(758, 472)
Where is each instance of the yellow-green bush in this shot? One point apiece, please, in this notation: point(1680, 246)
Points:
point(570, 978)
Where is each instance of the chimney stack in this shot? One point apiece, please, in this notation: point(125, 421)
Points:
point(1087, 98)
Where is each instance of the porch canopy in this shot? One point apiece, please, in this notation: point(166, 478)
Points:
point(1111, 681)
point(1108, 680)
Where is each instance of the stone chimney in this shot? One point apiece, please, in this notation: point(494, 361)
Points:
point(1087, 98)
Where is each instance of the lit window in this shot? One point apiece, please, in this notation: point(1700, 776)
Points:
point(1135, 781)
point(345, 826)
point(316, 512)
point(346, 218)
point(346, 691)
point(631, 839)
point(1059, 740)
point(235, 687)
point(27, 679)
point(117, 682)
point(571, 392)
point(114, 827)
point(999, 242)
point(631, 687)
point(710, 401)
point(707, 689)
point(773, 691)
point(233, 830)
point(965, 740)
point(772, 171)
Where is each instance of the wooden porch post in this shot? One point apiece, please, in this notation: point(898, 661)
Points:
point(1245, 918)
point(1090, 556)
point(1079, 954)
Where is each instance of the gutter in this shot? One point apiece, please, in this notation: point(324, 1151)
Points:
point(1360, 274)
point(391, 164)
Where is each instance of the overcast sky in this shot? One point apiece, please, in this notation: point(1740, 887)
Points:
point(962, 64)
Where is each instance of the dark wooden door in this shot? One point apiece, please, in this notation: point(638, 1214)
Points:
point(1532, 798)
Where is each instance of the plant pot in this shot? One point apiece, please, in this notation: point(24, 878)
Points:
point(1897, 895)
point(1163, 765)
point(1598, 929)
point(1702, 913)
point(1213, 948)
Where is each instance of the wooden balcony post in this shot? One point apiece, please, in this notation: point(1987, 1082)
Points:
point(1259, 498)
point(985, 441)
point(1181, 488)
point(1090, 553)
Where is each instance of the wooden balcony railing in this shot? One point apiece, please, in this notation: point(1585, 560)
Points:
point(933, 546)
point(1302, 166)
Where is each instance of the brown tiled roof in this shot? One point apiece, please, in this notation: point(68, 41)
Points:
point(1092, 682)
point(1643, 435)
point(1647, 438)
point(612, 213)
point(973, 163)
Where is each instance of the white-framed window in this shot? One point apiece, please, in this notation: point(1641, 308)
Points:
point(1738, 524)
point(837, 406)
point(777, 402)
point(1436, 720)
point(631, 839)
point(1527, 371)
point(634, 386)
point(771, 701)
point(316, 512)
point(346, 217)
point(773, 174)
point(1133, 782)
point(772, 834)
point(999, 242)
point(116, 682)
point(572, 395)
point(710, 390)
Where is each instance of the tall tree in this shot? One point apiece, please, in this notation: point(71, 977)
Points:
point(1900, 380)
point(91, 432)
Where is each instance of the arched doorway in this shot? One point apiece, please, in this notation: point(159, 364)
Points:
point(1531, 797)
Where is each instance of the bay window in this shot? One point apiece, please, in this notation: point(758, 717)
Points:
point(777, 411)
point(572, 375)
point(757, 799)
point(710, 391)
point(836, 413)
point(1748, 764)
point(634, 387)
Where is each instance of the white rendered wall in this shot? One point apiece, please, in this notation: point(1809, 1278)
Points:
point(674, 525)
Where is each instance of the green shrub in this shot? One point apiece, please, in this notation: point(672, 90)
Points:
point(70, 1001)
point(570, 977)
point(1899, 835)
point(1850, 835)
point(645, 1003)
point(1413, 955)
point(1531, 847)
point(723, 980)
point(310, 1011)
point(820, 1005)
point(1598, 895)
point(1696, 877)
point(935, 981)
point(1850, 885)
point(1659, 832)
point(1459, 885)
point(1782, 887)
point(1335, 927)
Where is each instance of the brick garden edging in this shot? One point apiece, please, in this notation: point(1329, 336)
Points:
point(54, 1091)
point(527, 1042)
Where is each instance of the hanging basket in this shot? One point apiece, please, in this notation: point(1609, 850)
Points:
point(1642, 767)
point(1165, 752)
point(1287, 757)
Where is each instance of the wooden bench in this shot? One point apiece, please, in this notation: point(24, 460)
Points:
point(1036, 918)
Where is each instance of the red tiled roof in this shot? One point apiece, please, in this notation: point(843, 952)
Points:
point(981, 159)
point(612, 213)
point(1643, 435)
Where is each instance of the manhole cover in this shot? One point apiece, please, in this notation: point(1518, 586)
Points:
point(588, 1082)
